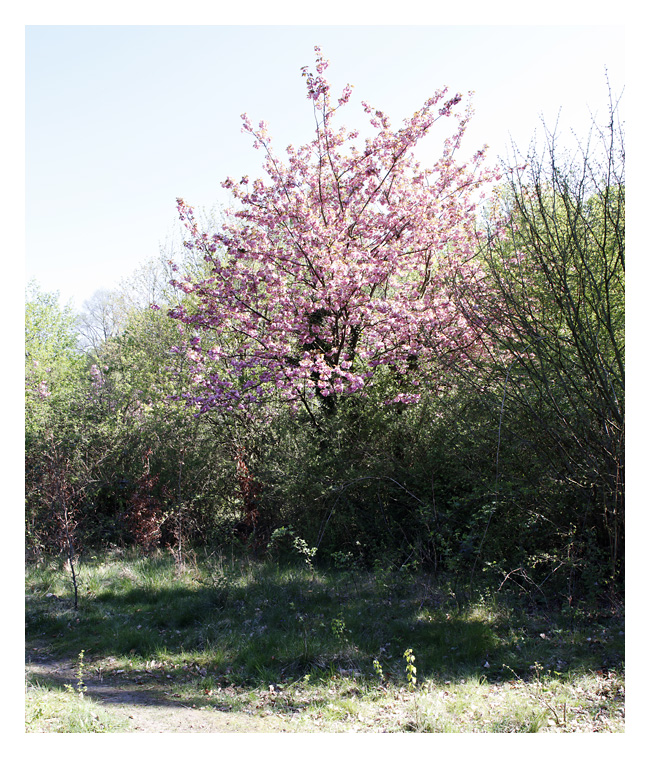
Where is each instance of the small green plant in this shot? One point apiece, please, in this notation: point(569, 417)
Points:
point(308, 553)
point(80, 688)
point(339, 630)
point(378, 669)
point(279, 539)
point(278, 536)
point(411, 671)
point(412, 679)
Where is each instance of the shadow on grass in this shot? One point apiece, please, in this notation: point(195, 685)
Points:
point(112, 690)
point(271, 626)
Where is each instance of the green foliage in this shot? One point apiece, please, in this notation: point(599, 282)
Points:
point(508, 470)
point(53, 364)
point(411, 670)
point(559, 275)
point(301, 643)
point(136, 467)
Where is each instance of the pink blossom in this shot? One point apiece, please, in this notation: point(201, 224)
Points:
point(344, 261)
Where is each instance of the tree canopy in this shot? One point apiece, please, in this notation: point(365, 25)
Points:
point(341, 263)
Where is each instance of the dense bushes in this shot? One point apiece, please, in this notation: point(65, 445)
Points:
point(492, 448)
point(372, 484)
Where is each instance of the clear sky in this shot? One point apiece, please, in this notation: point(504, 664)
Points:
point(121, 120)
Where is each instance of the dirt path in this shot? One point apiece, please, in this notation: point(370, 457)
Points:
point(151, 707)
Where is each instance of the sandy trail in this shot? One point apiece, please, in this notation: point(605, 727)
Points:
point(150, 707)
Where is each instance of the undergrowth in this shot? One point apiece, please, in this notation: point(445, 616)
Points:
point(333, 651)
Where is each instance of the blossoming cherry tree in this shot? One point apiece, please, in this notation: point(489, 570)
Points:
point(342, 262)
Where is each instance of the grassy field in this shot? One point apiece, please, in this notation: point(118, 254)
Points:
point(308, 651)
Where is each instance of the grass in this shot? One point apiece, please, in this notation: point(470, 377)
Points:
point(325, 650)
point(66, 708)
point(53, 710)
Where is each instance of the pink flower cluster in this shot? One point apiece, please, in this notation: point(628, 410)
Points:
point(97, 378)
point(344, 261)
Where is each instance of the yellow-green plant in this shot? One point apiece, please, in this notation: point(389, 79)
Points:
point(411, 670)
point(338, 627)
point(80, 688)
point(412, 679)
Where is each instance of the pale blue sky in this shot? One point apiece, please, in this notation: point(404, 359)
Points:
point(120, 120)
